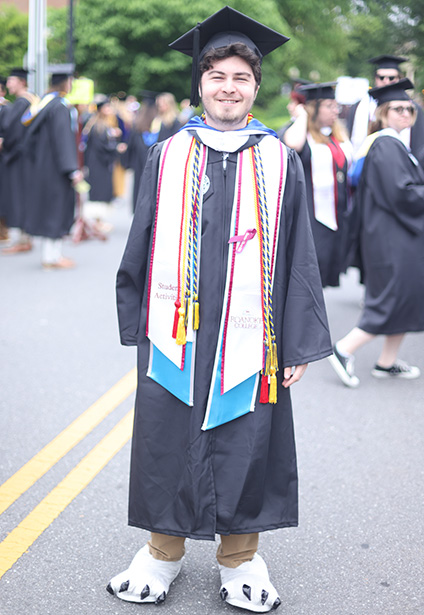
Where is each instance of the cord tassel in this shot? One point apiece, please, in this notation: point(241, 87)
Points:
point(176, 317)
point(181, 330)
point(273, 388)
point(267, 369)
point(274, 355)
point(196, 314)
point(264, 397)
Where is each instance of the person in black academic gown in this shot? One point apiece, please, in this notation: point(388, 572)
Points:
point(390, 198)
point(239, 477)
point(325, 152)
point(13, 131)
point(361, 115)
point(100, 153)
point(51, 171)
point(155, 121)
point(4, 104)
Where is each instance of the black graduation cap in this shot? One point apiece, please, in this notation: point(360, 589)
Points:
point(148, 97)
point(298, 82)
point(60, 72)
point(393, 91)
point(387, 61)
point(223, 28)
point(316, 91)
point(100, 100)
point(22, 73)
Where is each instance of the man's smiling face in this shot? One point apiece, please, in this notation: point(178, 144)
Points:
point(228, 91)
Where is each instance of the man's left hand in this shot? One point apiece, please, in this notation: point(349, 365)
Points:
point(293, 374)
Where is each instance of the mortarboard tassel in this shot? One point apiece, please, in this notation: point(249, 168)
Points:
point(194, 95)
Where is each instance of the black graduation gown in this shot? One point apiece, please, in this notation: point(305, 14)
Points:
point(136, 155)
point(3, 203)
point(330, 245)
point(417, 135)
point(13, 188)
point(391, 201)
point(50, 156)
point(99, 158)
point(240, 477)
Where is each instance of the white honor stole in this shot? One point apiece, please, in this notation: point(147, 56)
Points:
point(323, 182)
point(239, 354)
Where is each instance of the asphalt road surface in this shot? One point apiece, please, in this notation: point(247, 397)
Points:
point(66, 396)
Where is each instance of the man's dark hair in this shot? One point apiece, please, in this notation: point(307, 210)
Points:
point(235, 49)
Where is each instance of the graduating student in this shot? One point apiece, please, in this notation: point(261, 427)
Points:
point(390, 198)
point(325, 151)
point(4, 106)
point(51, 171)
point(219, 289)
point(13, 135)
point(155, 121)
point(100, 153)
point(362, 115)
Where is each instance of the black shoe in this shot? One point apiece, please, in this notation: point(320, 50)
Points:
point(344, 368)
point(400, 369)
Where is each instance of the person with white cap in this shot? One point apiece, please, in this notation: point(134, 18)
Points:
point(219, 288)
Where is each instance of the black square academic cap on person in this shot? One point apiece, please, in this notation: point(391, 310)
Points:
point(22, 73)
point(387, 61)
point(148, 97)
point(317, 91)
point(298, 82)
point(57, 78)
point(393, 91)
point(225, 27)
point(60, 72)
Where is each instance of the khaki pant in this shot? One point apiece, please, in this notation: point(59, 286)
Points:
point(234, 549)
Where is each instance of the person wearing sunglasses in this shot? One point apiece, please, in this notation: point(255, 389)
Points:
point(390, 200)
point(386, 72)
point(321, 141)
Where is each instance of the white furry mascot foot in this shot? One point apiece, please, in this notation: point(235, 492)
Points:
point(146, 580)
point(248, 586)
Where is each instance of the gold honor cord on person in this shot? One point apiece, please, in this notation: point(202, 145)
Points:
point(270, 367)
point(188, 247)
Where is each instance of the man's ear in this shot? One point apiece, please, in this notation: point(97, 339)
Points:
point(257, 90)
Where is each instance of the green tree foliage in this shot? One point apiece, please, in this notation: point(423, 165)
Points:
point(13, 36)
point(319, 43)
point(57, 35)
point(124, 45)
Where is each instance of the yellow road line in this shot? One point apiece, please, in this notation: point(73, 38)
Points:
point(39, 519)
point(36, 467)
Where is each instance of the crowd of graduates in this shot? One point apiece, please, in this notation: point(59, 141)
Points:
point(365, 191)
point(54, 156)
point(365, 194)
